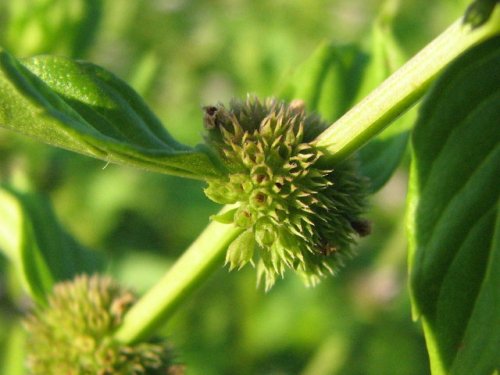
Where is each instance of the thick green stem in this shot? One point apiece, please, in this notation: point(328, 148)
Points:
point(203, 256)
point(401, 90)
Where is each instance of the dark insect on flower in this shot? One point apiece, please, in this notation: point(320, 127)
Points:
point(295, 212)
point(210, 117)
point(362, 227)
point(326, 249)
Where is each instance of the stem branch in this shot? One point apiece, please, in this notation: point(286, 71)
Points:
point(401, 90)
point(197, 263)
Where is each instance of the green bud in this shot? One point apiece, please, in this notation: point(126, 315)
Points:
point(241, 250)
point(301, 216)
point(73, 334)
point(265, 233)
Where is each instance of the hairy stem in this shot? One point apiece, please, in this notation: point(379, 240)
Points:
point(401, 90)
point(203, 256)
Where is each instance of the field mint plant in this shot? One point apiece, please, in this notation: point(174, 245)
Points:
point(294, 173)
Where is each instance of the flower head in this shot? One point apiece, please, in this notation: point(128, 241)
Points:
point(296, 214)
point(73, 333)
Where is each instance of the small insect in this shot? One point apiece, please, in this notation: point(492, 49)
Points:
point(327, 249)
point(362, 227)
point(210, 117)
point(298, 105)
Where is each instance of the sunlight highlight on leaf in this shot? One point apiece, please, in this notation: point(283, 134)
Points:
point(84, 108)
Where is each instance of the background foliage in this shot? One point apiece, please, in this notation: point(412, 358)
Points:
point(181, 55)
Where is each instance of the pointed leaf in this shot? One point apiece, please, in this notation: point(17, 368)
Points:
point(454, 218)
point(84, 108)
point(42, 251)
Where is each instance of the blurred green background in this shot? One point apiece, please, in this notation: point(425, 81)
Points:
point(181, 55)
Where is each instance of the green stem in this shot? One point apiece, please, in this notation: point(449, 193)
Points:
point(401, 90)
point(197, 263)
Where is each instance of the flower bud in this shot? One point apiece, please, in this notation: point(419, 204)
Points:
point(73, 333)
point(296, 214)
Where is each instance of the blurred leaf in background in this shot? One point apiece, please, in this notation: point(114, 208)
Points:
point(181, 55)
point(41, 251)
point(59, 27)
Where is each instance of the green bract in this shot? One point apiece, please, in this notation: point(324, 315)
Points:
point(73, 334)
point(295, 213)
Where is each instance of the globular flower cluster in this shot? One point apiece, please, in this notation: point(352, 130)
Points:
point(73, 333)
point(295, 212)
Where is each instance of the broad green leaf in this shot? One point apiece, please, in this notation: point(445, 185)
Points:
point(82, 107)
point(334, 78)
point(41, 250)
point(454, 217)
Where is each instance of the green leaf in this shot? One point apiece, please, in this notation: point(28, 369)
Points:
point(334, 78)
point(328, 80)
point(42, 251)
point(454, 220)
point(82, 107)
